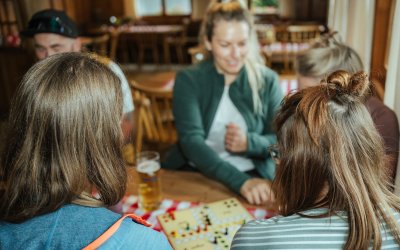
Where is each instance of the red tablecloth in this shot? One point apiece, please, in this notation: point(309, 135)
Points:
point(129, 204)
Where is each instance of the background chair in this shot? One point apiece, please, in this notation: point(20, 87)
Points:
point(147, 41)
point(154, 120)
point(304, 33)
point(289, 42)
point(178, 42)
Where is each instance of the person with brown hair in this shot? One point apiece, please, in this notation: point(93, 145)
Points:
point(330, 186)
point(224, 106)
point(63, 143)
point(54, 32)
point(329, 55)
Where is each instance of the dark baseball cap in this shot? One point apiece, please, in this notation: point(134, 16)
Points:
point(51, 21)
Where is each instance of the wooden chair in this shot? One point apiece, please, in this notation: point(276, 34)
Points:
point(304, 33)
point(178, 42)
point(281, 34)
point(147, 41)
point(290, 41)
point(154, 119)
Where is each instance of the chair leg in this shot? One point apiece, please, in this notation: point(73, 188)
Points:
point(179, 52)
point(141, 56)
point(167, 56)
point(155, 54)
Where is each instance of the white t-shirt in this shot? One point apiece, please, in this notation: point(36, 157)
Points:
point(126, 91)
point(227, 113)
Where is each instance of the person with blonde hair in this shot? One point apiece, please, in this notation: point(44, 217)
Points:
point(224, 106)
point(329, 184)
point(330, 54)
point(64, 144)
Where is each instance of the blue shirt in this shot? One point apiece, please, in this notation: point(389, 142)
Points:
point(75, 227)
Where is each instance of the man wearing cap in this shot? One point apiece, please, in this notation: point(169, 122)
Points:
point(54, 32)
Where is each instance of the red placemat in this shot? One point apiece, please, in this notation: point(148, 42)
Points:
point(129, 204)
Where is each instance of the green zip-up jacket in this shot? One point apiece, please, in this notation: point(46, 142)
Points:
point(197, 93)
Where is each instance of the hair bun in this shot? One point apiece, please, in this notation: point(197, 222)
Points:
point(341, 82)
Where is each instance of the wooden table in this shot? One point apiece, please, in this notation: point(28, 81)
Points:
point(164, 82)
point(190, 186)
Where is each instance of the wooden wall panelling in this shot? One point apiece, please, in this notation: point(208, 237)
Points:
point(311, 10)
point(14, 62)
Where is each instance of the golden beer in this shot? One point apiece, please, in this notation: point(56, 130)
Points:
point(148, 170)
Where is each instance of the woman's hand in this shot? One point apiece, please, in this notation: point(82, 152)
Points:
point(235, 139)
point(257, 191)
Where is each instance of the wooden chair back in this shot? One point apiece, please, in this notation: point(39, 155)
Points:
point(178, 42)
point(154, 120)
point(281, 34)
point(304, 33)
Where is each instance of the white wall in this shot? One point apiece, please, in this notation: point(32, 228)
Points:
point(392, 86)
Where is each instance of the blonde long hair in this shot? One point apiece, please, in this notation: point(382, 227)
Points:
point(64, 138)
point(235, 10)
point(327, 138)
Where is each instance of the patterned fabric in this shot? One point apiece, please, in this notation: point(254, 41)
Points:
point(129, 204)
point(74, 227)
point(298, 232)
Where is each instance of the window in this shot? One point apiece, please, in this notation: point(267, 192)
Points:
point(163, 7)
point(264, 6)
point(149, 7)
point(178, 7)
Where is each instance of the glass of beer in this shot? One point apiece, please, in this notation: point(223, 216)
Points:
point(148, 170)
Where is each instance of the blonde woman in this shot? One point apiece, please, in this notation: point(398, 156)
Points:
point(224, 106)
point(64, 141)
point(330, 185)
point(329, 55)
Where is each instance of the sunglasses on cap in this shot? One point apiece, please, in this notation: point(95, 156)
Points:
point(50, 25)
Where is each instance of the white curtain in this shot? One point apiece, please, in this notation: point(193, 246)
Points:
point(354, 20)
point(392, 86)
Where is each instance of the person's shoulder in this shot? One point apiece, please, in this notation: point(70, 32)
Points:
point(378, 109)
point(134, 235)
point(84, 214)
point(194, 77)
point(374, 104)
point(293, 230)
point(309, 217)
point(197, 69)
point(267, 72)
point(270, 78)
